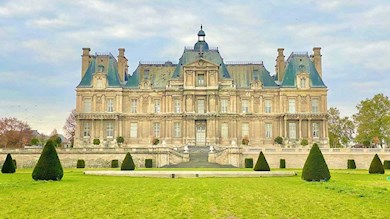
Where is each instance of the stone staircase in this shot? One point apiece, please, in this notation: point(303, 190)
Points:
point(198, 159)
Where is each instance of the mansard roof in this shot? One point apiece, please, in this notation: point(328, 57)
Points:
point(301, 63)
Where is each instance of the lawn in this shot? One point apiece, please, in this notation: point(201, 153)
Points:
point(349, 194)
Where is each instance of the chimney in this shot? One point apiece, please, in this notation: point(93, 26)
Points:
point(85, 58)
point(317, 60)
point(122, 64)
point(280, 64)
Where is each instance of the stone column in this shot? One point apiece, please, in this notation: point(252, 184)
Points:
point(300, 128)
point(285, 127)
point(309, 128)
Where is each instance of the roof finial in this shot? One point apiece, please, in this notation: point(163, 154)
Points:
point(201, 27)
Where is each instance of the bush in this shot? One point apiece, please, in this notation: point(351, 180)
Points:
point(376, 166)
point(155, 141)
point(8, 166)
point(96, 141)
point(148, 163)
point(80, 164)
point(261, 164)
point(366, 143)
point(351, 164)
point(128, 163)
point(245, 141)
point(278, 140)
point(386, 164)
point(120, 139)
point(48, 166)
point(14, 161)
point(114, 164)
point(34, 141)
point(304, 142)
point(282, 163)
point(315, 168)
point(248, 163)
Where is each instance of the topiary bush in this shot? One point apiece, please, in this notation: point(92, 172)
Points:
point(261, 164)
point(120, 139)
point(128, 163)
point(278, 140)
point(315, 168)
point(114, 164)
point(80, 164)
point(351, 164)
point(304, 142)
point(8, 166)
point(48, 166)
point(376, 166)
point(148, 163)
point(96, 141)
point(282, 163)
point(386, 164)
point(248, 163)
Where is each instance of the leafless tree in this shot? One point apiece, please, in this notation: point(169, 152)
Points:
point(70, 126)
point(14, 133)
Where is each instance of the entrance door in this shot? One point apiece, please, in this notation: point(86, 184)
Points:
point(200, 133)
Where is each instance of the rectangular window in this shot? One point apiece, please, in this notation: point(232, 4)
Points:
point(110, 105)
point(201, 106)
point(133, 105)
point(177, 106)
point(245, 130)
point(268, 130)
point(200, 81)
point(156, 129)
point(268, 106)
point(133, 129)
point(146, 74)
point(291, 105)
point(224, 105)
point(86, 132)
point(316, 130)
point(177, 129)
point(292, 130)
point(157, 106)
point(87, 105)
point(314, 105)
point(245, 106)
point(224, 130)
point(110, 130)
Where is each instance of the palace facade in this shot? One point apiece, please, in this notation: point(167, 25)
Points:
point(201, 100)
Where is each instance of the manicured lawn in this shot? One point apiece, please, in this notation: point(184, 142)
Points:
point(349, 194)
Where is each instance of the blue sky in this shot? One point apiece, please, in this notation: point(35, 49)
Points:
point(41, 41)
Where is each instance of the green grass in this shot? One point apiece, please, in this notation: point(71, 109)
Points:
point(349, 194)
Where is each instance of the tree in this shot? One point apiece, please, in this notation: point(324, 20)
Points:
point(8, 166)
point(14, 133)
point(261, 164)
point(315, 168)
point(373, 120)
point(376, 166)
point(128, 163)
point(70, 126)
point(49, 166)
point(341, 130)
point(34, 141)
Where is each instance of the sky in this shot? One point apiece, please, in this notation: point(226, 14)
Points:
point(41, 43)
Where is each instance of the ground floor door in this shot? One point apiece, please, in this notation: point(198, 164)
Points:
point(200, 127)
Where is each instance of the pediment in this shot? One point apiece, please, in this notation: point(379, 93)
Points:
point(201, 63)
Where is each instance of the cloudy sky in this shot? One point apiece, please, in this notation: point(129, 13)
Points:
point(41, 41)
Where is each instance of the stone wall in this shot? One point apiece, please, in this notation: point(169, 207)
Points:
point(296, 157)
point(161, 156)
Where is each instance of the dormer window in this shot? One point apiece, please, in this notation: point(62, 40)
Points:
point(146, 74)
point(303, 82)
point(100, 68)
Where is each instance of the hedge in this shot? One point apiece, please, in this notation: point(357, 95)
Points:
point(148, 163)
point(386, 164)
point(351, 164)
point(80, 164)
point(248, 163)
point(114, 164)
point(282, 164)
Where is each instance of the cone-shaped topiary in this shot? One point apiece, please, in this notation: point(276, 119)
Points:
point(351, 164)
point(386, 164)
point(261, 164)
point(315, 168)
point(376, 166)
point(48, 166)
point(128, 163)
point(8, 166)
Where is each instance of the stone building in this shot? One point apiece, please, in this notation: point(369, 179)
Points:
point(201, 100)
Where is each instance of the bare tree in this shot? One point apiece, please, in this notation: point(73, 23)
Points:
point(14, 133)
point(70, 126)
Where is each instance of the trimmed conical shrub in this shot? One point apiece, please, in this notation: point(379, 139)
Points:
point(48, 166)
point(315, 168)
point(386, 164)
point(351, 164)
point(128, 163)
point(261, 164)
point(8, 166)
point(376, 166)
